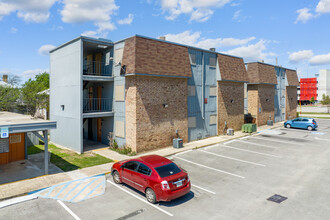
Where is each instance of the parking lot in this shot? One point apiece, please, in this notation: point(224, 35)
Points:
point(230, 180)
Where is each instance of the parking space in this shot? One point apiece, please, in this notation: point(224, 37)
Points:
point(230, 180)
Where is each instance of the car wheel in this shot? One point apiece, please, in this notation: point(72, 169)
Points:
point(151, 196)
point(310, 128)
point(288, 126)
point(116, 177)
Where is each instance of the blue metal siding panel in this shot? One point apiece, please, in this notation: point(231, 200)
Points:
point(279, 102)
point(196, 103)
point(119, 106)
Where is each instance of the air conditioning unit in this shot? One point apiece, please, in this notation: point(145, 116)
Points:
point(270, 122)
point(230, 131)
point(177, 143)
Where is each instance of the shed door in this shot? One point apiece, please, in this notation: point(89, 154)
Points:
point(16, 147)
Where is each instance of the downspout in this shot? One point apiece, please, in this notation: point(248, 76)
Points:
point(203, 98)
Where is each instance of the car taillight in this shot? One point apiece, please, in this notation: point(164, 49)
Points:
point(165, 185)
point(313, 123)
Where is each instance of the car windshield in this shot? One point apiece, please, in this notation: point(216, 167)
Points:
point(168, 170)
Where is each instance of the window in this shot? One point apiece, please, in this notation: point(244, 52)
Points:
point(213, 62)
point(305, 119)
point(213, 91)
point(144, 169)
point(191, 122)
point(168, 170)
point(120, 93)
point(131, 165)
point(192, 59)
point(213, 119)
point(120, 129)
point(191, 90)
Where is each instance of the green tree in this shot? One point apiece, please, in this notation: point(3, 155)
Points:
point(325, 99)
point(8, 98)
point(31, 93)
point(312, 99)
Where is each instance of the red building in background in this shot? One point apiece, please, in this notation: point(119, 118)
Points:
point(308, 89)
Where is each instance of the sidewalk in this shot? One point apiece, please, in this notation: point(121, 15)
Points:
point(23, 187)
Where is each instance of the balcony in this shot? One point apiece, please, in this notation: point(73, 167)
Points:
point(97, 105)
point(96, 68)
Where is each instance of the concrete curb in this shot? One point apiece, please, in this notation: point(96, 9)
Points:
point(33, 192)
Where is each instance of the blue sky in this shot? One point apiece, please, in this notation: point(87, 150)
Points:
point(296, 32)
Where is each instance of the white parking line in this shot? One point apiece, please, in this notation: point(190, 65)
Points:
point(212, 146)
point(68, 210)
point(322, 139)
point(285, 142)
point(231, 158)
point(156, 207)
point(260, 145)
point(211, 168)
point(183, 152)
point(228, 142)
point(203, 189)
point(244, 137)
point(250, 151)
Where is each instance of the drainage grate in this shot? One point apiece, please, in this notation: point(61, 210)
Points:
point(277, 198)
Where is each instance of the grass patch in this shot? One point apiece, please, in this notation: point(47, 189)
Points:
point(124, 150)
point(68, 160)
point(33, 150)
point(314, 113)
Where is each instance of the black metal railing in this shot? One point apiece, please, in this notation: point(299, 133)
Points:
point(96, 68)
point(97, 105)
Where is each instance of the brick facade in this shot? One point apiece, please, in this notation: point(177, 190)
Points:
point(149, 56)
point(152, 125)
point(232, 113)
point(290, 102)
point(261, 73)
point(232, 68)
point(261, 97)
point(292, 77)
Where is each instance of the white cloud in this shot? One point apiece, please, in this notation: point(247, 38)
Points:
point(252, 52)
point(303, 15)
point(13, 30)
point(298, 56)
point(323, 6)
point(99, 12)
point(127, 20)
point(30, 11)
point(44, 50)
point(194, 39)
point(320, 59)
point(33, 73)
point(199, 11)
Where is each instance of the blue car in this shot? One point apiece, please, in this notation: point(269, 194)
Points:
point(304, 123)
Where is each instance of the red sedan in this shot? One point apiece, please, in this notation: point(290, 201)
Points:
point(158, 177)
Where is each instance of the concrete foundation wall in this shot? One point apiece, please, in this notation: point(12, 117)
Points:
point(150, 125)
point(230, 105)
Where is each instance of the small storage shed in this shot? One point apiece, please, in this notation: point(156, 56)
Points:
point(13, 136)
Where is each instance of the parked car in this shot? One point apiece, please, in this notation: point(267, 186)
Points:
point(305, 123)
point(158, 177)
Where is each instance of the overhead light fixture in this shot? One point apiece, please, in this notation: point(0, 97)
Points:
point(102, 46)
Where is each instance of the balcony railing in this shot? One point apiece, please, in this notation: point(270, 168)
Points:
point(97, 105)
point(96, 68)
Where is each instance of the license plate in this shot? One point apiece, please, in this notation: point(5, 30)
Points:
point(178, 184)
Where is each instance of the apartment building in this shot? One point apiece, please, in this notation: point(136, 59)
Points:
point(272, 92)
